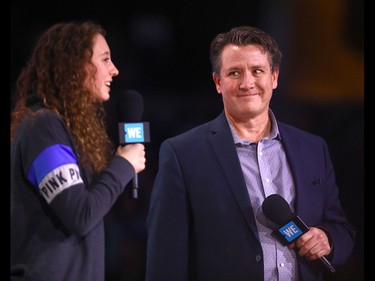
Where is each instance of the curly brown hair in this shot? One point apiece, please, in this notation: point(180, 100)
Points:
point(55, 74)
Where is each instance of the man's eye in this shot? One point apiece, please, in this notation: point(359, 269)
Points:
point(234, 73)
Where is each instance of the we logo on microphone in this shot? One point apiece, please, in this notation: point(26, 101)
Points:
point(290, 231)
point(134, 132)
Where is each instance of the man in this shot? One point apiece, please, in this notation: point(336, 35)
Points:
point(205, 221)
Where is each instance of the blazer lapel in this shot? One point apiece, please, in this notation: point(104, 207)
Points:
point(225, 151)
point(294, 154)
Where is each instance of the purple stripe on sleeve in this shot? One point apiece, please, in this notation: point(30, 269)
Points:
point(49, 159)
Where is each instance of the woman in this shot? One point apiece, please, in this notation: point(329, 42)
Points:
point(65, 174)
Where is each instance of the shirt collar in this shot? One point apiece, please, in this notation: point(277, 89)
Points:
point(274, 134)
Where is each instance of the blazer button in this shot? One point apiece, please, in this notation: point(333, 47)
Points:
point(258, 258)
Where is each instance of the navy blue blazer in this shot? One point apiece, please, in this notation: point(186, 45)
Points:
point(200, 223)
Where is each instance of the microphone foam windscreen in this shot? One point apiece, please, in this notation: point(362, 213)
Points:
point(130, 106)
point(277, 209)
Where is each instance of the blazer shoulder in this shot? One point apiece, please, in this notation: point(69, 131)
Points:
point(201, 131)
point(290, 130)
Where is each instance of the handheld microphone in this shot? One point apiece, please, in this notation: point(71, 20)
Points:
point(131, 129)
point(277, 209)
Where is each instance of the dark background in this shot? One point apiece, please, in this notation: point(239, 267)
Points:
point(161, 50)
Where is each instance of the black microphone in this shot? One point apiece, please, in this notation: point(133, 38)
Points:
point(131, 129)
point(277, 209)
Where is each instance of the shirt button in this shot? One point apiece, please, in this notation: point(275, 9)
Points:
point(282, 264)
point(258, 258)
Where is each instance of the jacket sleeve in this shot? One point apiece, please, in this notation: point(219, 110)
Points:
point(167, 222)
point(52, 167)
